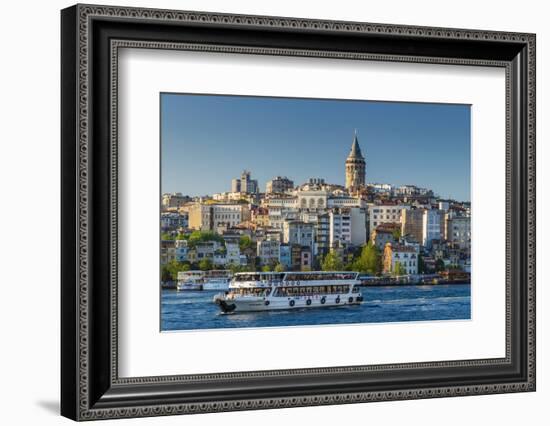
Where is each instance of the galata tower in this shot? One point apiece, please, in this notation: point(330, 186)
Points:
point(355, 167)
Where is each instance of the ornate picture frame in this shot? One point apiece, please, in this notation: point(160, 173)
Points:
point(91, 37)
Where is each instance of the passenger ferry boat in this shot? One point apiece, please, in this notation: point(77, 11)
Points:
point(190, 280)
point(266, 291)
point(217, 280)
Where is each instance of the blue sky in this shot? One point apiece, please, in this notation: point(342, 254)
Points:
point(207, 140)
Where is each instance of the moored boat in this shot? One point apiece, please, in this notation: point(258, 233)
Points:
point(265, 291)
point(190, 280)
point(217, 280)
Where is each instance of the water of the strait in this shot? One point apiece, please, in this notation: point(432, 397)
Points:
point(195, 310)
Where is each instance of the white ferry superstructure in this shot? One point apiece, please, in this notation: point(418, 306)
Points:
point(217, 280)
point(265, 291)
point(190, 280)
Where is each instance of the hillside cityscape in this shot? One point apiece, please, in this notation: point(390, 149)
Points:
point(377, 229)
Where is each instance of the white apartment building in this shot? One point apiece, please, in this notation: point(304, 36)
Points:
point(379, 214)
point(405, 255)
point(347, 226)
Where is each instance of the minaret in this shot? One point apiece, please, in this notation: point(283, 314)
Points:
point(355, 167)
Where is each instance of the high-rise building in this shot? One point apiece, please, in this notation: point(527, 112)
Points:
point(278, 185)
point(355, 167)
point(235, 185)
point(244, 184)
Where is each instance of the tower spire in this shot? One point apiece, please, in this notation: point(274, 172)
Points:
point(355, 166)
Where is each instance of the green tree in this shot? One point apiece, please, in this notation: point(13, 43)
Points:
point(165, 274)
point(245, 242)
point(399, 269)
point(169, 272)
point(197, 237)
point(166, 236)
point(279, 267)
point(205, 265)
point(266, 268)
point(370, 260)
point(439, 265)
point(396, 234)
point(331, 262)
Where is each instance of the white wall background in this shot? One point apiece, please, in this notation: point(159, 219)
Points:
point(29, 211)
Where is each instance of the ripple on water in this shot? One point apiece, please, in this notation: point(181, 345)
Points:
point(195, 310)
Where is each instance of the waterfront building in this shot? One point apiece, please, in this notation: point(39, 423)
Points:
point(233, 252)
point(457, 231)
point(219, 258)
point(279, 185)
point(347, 227)
point(174, 200)
point(167, 251)
point(355, 167)
point(406, 256)
point(411, 223)
point(180, 250)
point(206, 249)
point(385, 213)
point(268, 251)
point(433, 226)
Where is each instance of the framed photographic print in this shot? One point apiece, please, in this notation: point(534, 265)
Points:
point(263, 212)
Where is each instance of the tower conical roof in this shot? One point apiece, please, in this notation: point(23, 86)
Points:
point(355, 151)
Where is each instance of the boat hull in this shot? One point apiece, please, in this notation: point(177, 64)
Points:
point(189, 287)
point(251, 304)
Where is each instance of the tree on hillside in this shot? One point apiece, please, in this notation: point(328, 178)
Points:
point(331, 262)
point(370, 260)
point(245, 242)
point(169, 272)
point(279, 267)
point(205, 265)
point(203, 236)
